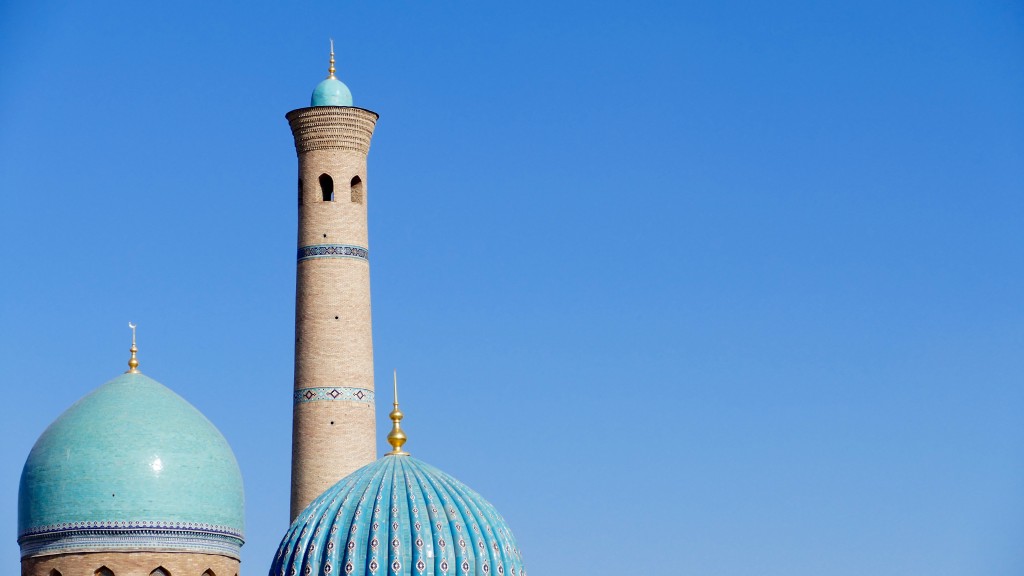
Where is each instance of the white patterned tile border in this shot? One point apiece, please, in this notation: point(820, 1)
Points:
point(330, 394)
point(333, 251)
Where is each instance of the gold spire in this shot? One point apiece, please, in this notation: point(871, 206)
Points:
point(330, 69)
point(396, 437)
point(133, 363)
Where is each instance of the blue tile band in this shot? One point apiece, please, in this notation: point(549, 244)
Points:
point(115, 536)
point(333, 251)
point(329, 394)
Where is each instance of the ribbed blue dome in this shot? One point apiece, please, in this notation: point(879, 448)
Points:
point(331, 92)
point(398, 516)
point(132, 465)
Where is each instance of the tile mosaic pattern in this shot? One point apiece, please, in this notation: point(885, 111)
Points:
point(147, 535)
point(398, 517)
point(333, 251)
point(339, 393)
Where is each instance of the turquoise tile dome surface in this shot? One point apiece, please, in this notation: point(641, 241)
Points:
point(394, 517)
point(131, 465)
point(331, 92)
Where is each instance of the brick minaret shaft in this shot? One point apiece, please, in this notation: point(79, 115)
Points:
point(333, 430)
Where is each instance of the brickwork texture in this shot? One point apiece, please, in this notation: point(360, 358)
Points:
point(333, 336)
point(130, 564)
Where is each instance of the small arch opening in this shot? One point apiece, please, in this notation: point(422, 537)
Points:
point(160, 571)
point(357, 190)
point(103, 571)
point(209, 572)
point(300, 191)
point(327, 187)
point(55, 572)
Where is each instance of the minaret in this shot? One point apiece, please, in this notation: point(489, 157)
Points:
point(333, 430)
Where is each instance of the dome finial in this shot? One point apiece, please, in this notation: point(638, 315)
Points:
point(331, 91)
point(330, 69)
point(133, 362)
point(396, 437)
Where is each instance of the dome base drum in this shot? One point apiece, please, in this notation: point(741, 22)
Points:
point(82, 537)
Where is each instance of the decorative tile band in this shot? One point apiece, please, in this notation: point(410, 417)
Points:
point(333, 251)
point(130, 524)
point(339, 393)
point(111, 536)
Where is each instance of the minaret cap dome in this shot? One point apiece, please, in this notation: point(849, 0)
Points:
point(331, 92)
point(401, 516)
point(130, 455)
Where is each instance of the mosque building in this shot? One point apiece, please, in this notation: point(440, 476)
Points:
point(132, 480)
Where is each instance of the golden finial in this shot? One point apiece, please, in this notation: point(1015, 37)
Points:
point(396, 437)
point(133, 363)
point(330, 69)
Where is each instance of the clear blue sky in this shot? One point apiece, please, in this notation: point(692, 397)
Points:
point(682, 288)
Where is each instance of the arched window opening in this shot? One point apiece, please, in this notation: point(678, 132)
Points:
point(300, 191)
point(55, 572)
point(209, 572)
point(160, 571)
point(327, 187)
point(357, 190)
point(103, 571)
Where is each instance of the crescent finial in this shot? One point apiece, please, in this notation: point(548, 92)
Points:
point(133, 362)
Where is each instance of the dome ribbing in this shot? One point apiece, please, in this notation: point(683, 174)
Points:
point(398, 516)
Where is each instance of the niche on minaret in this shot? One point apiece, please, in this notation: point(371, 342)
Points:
point(327, 187)
point(357, 190)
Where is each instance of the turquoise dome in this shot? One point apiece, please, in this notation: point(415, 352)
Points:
point(331, 92)
point(398, 516)
point(132, 465)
